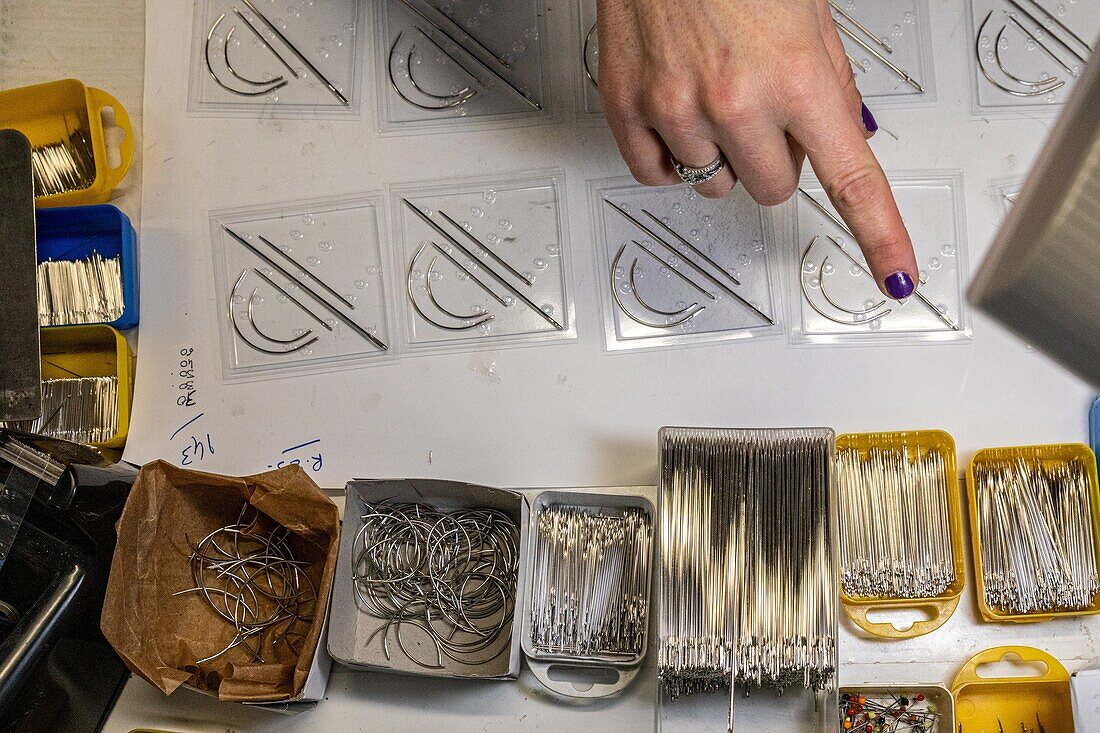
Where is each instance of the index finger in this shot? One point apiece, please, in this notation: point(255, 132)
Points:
point(857, 186)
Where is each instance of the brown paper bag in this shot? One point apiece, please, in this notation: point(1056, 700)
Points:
point(160, 636)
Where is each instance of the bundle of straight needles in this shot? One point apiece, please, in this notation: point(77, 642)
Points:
point(81, 409)
point(80, 291)
point(748, 565)
point(591, 581)
point(895, 525)
point(1038, 545)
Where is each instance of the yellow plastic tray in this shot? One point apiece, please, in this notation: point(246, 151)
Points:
point(941, 607)
point(92, 351)
point(45, 113)
point(980, 701)
point(1047, 454)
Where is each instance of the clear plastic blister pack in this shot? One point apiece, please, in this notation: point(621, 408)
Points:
point(889, 46)
point(484, 262)
point(1026, 55)
point(460, 62)
point(677, 268)
point(588, 51)
point(280, 57)
point(300, 286)
point(834, 298)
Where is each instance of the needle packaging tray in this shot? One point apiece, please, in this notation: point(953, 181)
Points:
point(301, 286)
point(621, 668)
point(453, 63)
point(280, 57)
point(64, 122)
point(941, 607)
point(484, 262)
point(833, 297)
point(587, 51)
point(355, 635)
point(889, 47)
point(79, 232)
point(924, 700)
point(91, 352)
point(1042, 702)
point(1048, 456)
point(1025, 56)
point(677, 268)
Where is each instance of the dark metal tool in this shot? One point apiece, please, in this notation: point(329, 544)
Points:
point(20, 367)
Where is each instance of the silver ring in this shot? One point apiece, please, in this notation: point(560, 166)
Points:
point(695, 176)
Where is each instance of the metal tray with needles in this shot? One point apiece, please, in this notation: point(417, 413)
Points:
point(889, 47)
point(447, 64)
point(301, 286)
point(1026, 55)
point(484, 262)
point(622, 668)
point(833, 298)
point(678, 269)
point(281, 57)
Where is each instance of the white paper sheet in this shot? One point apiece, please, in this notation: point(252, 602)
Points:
point(566, 414)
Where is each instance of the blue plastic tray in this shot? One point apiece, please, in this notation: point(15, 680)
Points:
point(1094, 428)
point(75, 232)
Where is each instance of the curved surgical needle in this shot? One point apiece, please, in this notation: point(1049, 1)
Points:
point(647, 306)
point(252, 320)
point(237, 74)
point(242, 337)
point(631, 316)
point(219, 82)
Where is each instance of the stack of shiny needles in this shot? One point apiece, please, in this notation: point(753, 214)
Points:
point(748, 564)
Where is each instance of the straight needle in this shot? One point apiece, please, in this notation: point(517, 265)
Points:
point(504, 283)
point(885, 61)
point(331, 87)
point(328, 306)
point(695, 266)
point(491, 253)
point(832, 217)
point(308, 274)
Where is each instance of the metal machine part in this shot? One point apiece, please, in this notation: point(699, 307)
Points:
point(20, 368)
point(1040, 276)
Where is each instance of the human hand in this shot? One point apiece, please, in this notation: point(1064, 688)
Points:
point(766, 83)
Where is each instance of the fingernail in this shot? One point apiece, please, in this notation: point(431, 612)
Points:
point(869, 120)
point(899, 285)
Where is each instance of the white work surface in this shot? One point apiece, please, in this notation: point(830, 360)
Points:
point(566, 414)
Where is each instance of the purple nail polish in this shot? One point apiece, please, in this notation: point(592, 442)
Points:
point(899, 285)
point(869, 120)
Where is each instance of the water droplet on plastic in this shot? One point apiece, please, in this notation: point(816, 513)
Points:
point(324, 246)
point(828, 269)
point(360, 284)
